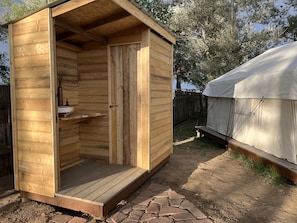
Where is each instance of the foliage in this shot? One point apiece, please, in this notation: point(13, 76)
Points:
point(215, 36)
point(291, 25)
point(11, 10)
point(219, 35)
point(180, 134)
point(261, 168)
point(4, 69)
point(159, 9)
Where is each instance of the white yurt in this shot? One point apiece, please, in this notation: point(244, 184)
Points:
point(256, 103)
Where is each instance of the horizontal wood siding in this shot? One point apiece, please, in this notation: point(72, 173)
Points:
point(32, 117)
point(93, 97)
point(68, 135)
point(160, 100)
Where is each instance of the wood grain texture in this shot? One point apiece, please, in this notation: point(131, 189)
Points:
point(124, 70)
point(161, 100)
point(93, 97)
point(33, 129)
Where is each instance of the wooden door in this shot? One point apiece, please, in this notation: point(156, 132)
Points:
point(123, 103)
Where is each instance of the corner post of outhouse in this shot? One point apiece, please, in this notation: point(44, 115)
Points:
point(13, 109)
point(53, 92)
point(143, 82)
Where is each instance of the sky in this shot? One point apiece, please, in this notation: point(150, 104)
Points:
point(4, 47)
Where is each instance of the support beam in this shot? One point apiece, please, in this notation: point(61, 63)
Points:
point(96, 24)
point(79, 31)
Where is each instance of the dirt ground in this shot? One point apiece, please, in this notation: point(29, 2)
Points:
point(214, 180)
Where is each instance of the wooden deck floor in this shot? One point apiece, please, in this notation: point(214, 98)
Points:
point(96, 188)
point(97, 183)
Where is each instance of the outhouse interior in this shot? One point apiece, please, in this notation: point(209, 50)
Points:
point(109, 62)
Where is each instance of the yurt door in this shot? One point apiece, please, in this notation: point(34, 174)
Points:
point(123, 103)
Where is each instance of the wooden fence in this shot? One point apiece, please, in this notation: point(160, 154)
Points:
point(187, 105)
point(6, 162)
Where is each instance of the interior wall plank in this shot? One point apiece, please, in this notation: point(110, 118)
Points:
point(93, 97)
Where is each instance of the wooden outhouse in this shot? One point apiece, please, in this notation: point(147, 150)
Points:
point(112, 64)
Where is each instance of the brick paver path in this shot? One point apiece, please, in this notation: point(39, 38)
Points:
point(159, 204)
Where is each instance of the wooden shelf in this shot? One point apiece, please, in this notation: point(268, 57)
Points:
point(77, 117)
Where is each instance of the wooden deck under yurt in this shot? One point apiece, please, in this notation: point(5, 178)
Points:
point(109, 65)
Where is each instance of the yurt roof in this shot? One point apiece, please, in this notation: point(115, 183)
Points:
point(272, 74)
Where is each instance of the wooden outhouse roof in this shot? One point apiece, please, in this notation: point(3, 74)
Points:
point(80, 21)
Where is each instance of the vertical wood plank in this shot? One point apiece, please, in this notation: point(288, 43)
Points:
point(124, 60)
point(133, 71)
point(13, 109)
point(119, 103)
point(53, 91)
point(126, 103)
point(143, 118)
point(112, 110)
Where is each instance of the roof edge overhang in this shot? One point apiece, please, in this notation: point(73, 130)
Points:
point(63, 6)
point(51, 5)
